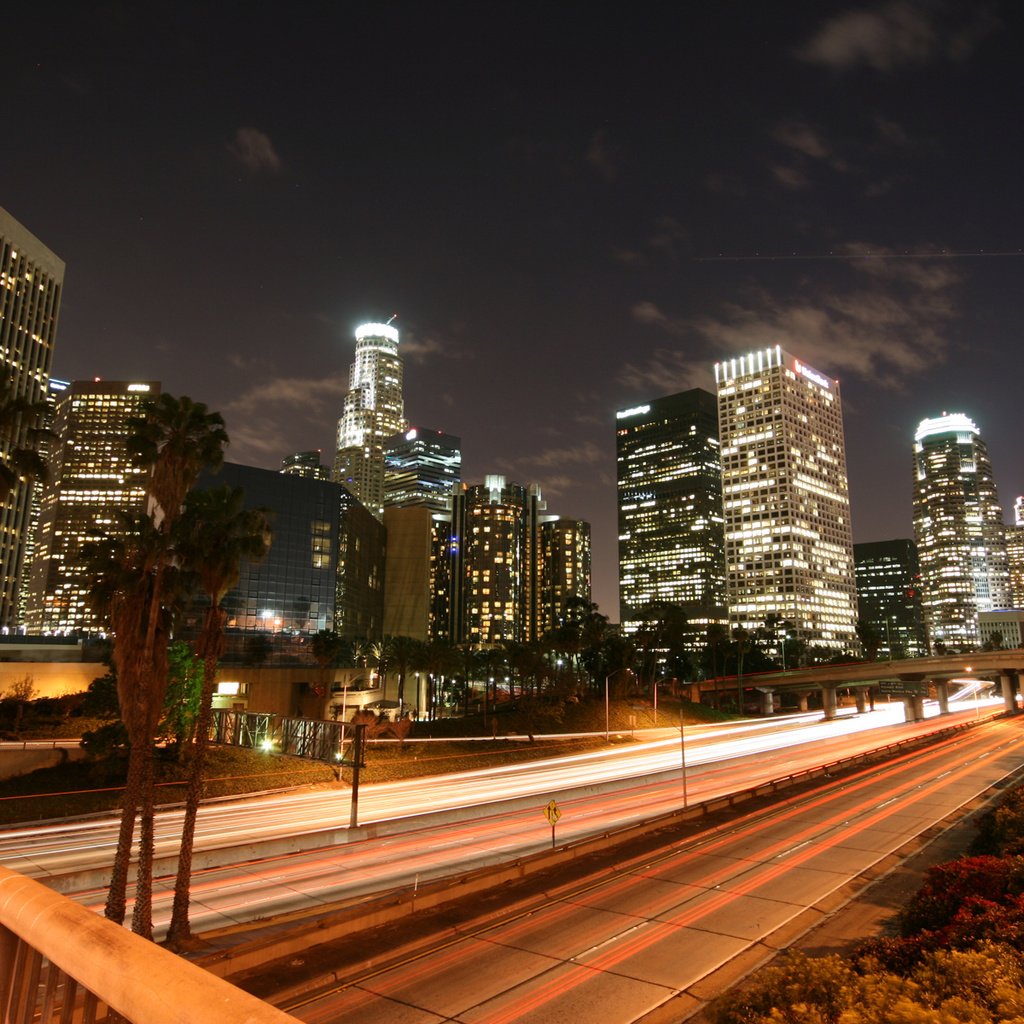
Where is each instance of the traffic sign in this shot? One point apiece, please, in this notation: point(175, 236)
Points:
point(552, 813)
point(903, 688)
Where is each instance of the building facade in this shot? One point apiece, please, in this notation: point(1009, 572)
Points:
point(31, 280)
point(958, 525)
point(324, 570)
point(1015, 554)
point(1002, 628)
point(671, 536)
point(889, 597)
point(373, 412)
point(785, 496)
point(421, 466)
point(92, 482)
point(502, 567)
point(305, 464)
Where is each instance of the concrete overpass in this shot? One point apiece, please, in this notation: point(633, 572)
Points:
point(911, 679)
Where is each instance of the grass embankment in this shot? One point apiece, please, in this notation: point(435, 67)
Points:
point(79, 787)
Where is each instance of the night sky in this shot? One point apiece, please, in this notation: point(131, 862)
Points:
point(541, 192)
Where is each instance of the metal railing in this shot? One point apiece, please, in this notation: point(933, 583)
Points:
point(311, 738)
point(62, 964)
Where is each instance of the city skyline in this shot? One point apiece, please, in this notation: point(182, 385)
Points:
point(546, 202)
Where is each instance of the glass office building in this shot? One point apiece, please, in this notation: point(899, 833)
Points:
point(958, 525)
point(889, 597)
point(671, 538)
point(373, 412)
point(31, 280)
point(785, 497)
point(92, 481)
point(325, 567)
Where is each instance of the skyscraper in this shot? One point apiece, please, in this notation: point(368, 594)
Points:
point(305, 464)
point(1015, 554)
point(91, 482)
point(31, 279)
point(372, 413)
point(420, 468)
point(502, 566)
point(889, 596)
point(958, 524)
point(788, 540)
point(324, 569)
point(671, 541)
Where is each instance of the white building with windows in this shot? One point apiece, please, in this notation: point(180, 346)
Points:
point(958, 526)
point(373, 412)
point(785, 496)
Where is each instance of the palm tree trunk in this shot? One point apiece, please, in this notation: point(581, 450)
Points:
point(142, 912)
point(117, 893)
point(212, 645)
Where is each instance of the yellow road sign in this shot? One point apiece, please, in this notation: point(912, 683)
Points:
point(552, 813)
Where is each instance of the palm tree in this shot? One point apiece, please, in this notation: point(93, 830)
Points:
point(215, 534)
point(21, 433)
point(402, 653)
point(174, 439)
point(741, 641)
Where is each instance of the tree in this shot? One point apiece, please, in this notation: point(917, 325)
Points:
point(329, 648)
point(21, 692)
point(215, 534)
point(870, 639)
point(741, 644)
point(184, 693)
point(137, 586)
point(21, 433)
point(403, 653)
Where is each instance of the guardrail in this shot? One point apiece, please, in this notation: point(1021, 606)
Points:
point(60, 962)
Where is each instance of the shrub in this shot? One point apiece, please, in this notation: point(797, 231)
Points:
point(947, 887)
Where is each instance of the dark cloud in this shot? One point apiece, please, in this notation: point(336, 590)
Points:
point(254, 150)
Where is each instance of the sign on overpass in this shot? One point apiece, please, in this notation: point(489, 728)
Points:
point(902, 688)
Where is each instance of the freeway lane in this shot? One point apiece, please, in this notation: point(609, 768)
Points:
point(644, 941)
point(258, 886)
point(311, 819)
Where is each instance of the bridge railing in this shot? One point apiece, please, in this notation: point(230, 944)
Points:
point(301, 737)
point(60, 962)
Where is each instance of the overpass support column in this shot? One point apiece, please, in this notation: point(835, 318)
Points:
point(767, 696)
point(1006, 680)
point(862, 700)
point(802, 699)
point(913, 708)
point(942, 691)
point(828, 702)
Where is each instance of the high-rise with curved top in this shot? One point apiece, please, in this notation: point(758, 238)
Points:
point(373, 412)
point(958, 525)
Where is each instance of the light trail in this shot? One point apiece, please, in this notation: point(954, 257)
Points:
point(637, 940)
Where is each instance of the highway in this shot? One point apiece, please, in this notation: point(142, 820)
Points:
point(416, 833)
point(645, 943)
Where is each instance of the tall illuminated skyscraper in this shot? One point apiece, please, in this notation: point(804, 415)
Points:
point(1015, 553)
point(91, 481)
point(958, 525)
point(788, 541)
point(420, 468)
point(31, 280)
point(503, 567)
point(670, 510)
point(372, 413)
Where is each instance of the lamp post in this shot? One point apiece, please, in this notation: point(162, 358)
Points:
point(977, 704)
